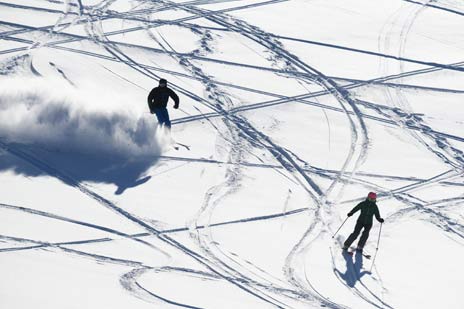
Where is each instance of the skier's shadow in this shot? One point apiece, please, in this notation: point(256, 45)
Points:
point(354, 270)
point(72, 168)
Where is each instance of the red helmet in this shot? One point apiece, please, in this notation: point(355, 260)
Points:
point(372, 196)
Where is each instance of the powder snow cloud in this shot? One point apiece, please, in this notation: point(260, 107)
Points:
point(52, 114)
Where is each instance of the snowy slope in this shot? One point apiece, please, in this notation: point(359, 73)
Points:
point(291, 112)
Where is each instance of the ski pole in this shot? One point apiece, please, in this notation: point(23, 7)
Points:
point(376, 249)
point(339, 227)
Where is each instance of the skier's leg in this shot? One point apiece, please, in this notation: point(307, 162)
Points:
point(364, 236)
point(160, 116)
point(353, 236)
point(167, 121)
point(163, 119)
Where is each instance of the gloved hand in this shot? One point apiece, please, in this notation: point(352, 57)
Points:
point(381, 220)
point(349, 214)
point(176, 106)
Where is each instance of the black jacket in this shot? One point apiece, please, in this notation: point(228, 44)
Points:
point(159, 96)
point(368, 210)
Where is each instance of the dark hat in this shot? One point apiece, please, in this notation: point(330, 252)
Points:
point(163, 81)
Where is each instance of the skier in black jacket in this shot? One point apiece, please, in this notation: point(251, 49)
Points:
point(158, 101)
point(368, 210)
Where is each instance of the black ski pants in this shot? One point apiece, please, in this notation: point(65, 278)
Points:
point(163, 117)
point(357, 229)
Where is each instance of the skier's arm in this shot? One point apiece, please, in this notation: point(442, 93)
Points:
point(175, 97)
point(355, 209)
point(377, 215)
point(150, 98)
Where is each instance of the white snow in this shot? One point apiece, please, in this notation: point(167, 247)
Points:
point(290, 113)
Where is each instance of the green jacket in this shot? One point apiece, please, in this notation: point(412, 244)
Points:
point(368, 210)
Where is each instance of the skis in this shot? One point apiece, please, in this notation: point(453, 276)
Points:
point(353, 251)
point(182, 145)
point(177, 145)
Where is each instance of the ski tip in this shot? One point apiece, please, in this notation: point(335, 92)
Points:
point(178, 145)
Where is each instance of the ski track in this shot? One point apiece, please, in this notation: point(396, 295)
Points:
point(107, 48)
point(353, 270)
point(206, 242)
point(93, 34)
point(280, 53)
point(89, 225)
point(398, 193)
point(99, 258)
point(283, 54)
point(108, 204)
point(429, 4)
point(221, 263)
point(441, 147)
point(220, 97)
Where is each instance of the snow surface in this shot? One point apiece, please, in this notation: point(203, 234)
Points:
point(291, 111)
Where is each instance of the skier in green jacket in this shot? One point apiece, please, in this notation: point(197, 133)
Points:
point(368, 210)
